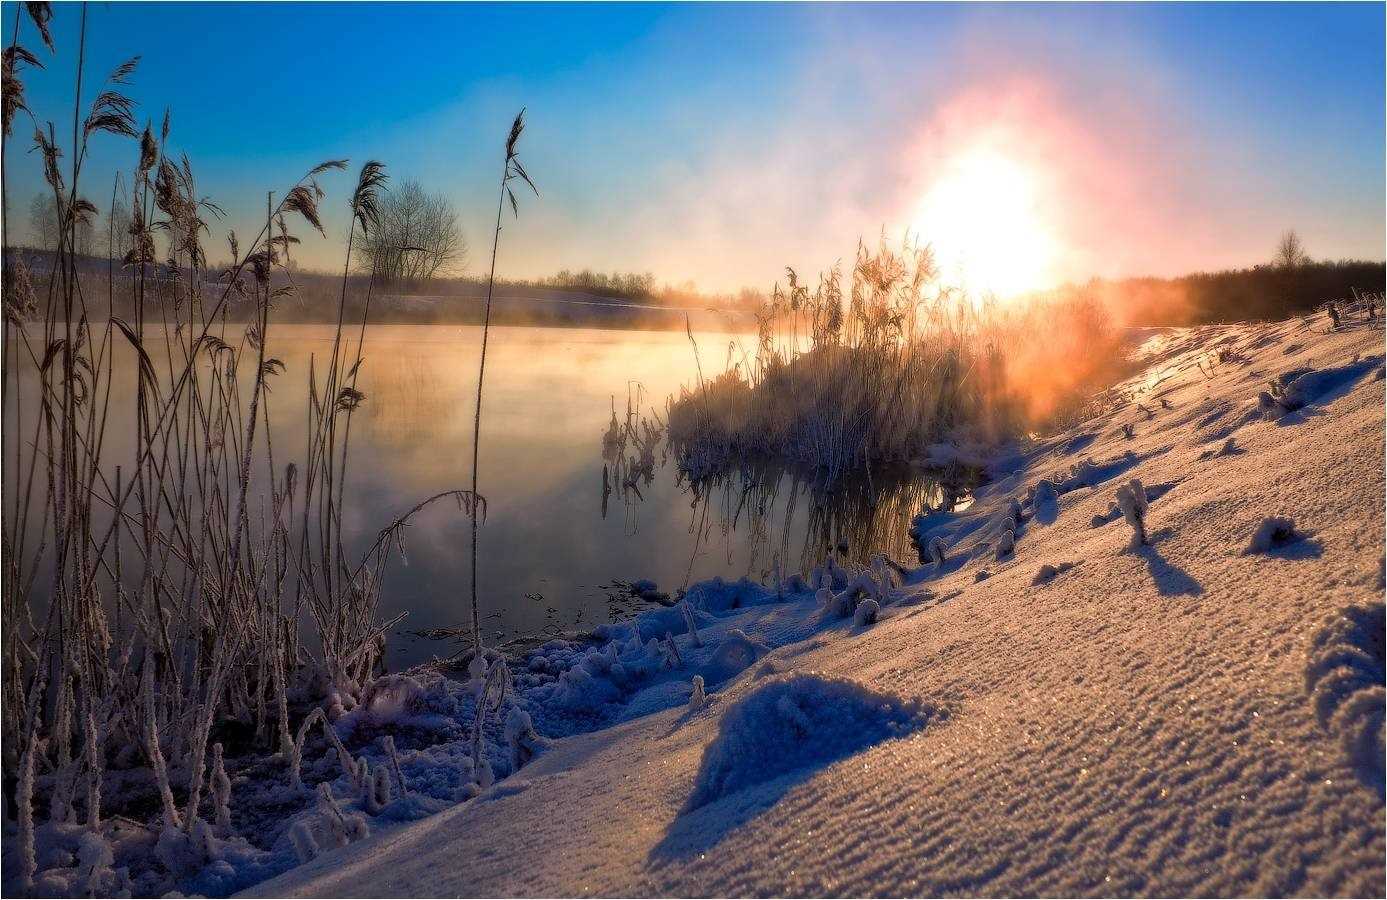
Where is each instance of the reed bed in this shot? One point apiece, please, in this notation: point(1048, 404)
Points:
point(173, 570)
point(841, 385)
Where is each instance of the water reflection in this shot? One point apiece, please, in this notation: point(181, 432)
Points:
point(562, 539)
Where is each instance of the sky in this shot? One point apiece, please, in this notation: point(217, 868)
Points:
point(718, 144)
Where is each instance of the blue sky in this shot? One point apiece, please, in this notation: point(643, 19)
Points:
point(720, 143)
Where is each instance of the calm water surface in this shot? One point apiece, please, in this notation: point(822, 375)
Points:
point(552, 544)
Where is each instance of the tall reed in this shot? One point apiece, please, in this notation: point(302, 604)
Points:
point(511, 169)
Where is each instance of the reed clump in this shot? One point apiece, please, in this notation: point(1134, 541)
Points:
point(171, 566)
point(840, 384)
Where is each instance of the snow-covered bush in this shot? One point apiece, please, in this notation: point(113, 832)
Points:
point(938, 550)
point(1273, 532)
point(866, 612)
point(736, 652)
point(1131, 499)
point(1048, 573)
point(522, 740)
point(1014, 509)
point(1045, 500)
point(1006, 544)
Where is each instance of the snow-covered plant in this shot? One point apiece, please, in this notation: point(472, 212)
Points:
point(1131, 499)
point(690, 623)
point(1273, 532)
point(837, 574)
point(24, 799)
point(738, 650)
point(1045, 494)
point(1129, 431)
point(1334, 317)
point(1165, 404)
point(60, 810)
point(156, 755)
point(340, 828)
point(344, 757)
point(524, 742)
point(835, 606)
point(221, 790)
point(1006, 543)
point(94, 860)
point(389, 743)
point(1014, 508)
point(94, 771)
point(202, 841)
point(937, 551)
point(696, 696)
point(301, 838)
point(670, 652)
point(498, 682)
point(376, 793)
point(866, 612)
point(476, 671)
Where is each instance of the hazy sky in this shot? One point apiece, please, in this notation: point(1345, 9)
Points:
point(720, 143)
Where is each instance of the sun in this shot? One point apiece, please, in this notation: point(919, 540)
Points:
point(983, 215)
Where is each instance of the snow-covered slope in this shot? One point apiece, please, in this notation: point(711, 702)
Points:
point(1188, 717)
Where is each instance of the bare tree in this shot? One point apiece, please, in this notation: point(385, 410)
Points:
point(419, 237)
point(115, 237)
point(84, 234)
point(43, 221)
point(1290, 252)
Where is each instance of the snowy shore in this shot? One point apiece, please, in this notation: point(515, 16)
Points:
point(1093, 687)
point(1193, 716)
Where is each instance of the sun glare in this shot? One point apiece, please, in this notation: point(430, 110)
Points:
point(983, 216)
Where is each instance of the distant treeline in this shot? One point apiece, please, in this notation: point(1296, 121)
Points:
point(319, 288)
point(1262, 292)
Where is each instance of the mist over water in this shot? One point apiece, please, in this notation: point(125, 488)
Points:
point(551, 546)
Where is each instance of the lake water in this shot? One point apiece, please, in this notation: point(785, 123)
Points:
point(552, 544)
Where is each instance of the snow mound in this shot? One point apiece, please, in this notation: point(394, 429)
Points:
point(798, 722)
point(1344, 677)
